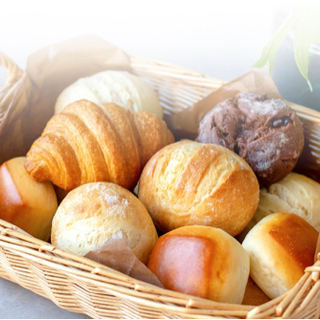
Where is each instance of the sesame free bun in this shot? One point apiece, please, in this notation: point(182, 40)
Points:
point(92, 213)
point(280, 246)
point(120, 87)
point(190, 183)
point(295, 193)
point(201, 261)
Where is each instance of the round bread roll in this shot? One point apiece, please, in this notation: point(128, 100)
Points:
point(120, 87)
point(190, 183)
point(201, 261)
point(266, 132)
point(295, 193)
point(280, 246)
point(92, 213)
point(24, 202)
point(253, 295)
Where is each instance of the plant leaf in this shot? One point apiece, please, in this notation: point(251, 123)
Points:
point(270, 49)
point(306, 32)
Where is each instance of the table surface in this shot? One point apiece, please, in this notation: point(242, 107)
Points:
point(221, 41)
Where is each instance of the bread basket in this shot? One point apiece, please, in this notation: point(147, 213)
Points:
point(83, 286)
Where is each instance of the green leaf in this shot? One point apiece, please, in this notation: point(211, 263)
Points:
point(270, 49)
point(306, 32)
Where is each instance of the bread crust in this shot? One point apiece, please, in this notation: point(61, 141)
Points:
point(188, 183)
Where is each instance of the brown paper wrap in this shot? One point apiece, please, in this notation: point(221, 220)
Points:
point(185, 124)
point(47, 73)
point(115, 253)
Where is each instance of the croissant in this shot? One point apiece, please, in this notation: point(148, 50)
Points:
point(89, 143)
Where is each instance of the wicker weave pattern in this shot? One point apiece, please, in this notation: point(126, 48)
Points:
point(84, 286)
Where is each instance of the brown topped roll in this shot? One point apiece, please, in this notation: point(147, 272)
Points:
point(267, 133)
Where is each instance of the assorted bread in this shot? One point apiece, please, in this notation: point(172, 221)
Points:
point(203, 261)
point(94, 212)
point(190, 183)
point(236, 225)
point(87, 143)
point(121, 87)
point(266, 132)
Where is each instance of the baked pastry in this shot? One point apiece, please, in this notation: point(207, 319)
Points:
point(190, 183)
point(86, 143)
point(267, 133)
point(280, 246)
point(24, 202)
point(295, 193)
point(90, 214)
point(121, 87)
point(201, 261)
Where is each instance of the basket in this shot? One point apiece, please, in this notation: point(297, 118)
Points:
point(80, 285)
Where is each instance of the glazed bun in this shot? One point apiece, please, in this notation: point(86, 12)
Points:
point(190, 183)
point(280, 246)
point(295, 193)
point(26, 203)
point(201, 261)
point(120, 87)
point(92, 213)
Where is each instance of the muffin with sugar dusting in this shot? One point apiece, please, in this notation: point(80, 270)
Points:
point(265, 132)
point(92, 213)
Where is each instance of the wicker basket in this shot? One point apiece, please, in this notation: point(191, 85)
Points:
point(80, 285)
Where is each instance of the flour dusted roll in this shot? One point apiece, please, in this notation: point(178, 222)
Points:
point(295, 193)
point(188, 183)
point(280, 246)
point(202, 261)
point(120, 87)
point(92, 213)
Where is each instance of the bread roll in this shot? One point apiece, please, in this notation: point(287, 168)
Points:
point(266, 132)
point(120, 87)
point(201, 261)
point(295, 193)
point(253, 295)
point(188, 183)
point(92, 213)
point(26, 203)
point(86, 143)
point(280, 246)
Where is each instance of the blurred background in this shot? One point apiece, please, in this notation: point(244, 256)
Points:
point(222, 39)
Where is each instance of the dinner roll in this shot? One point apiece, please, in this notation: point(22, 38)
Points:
point(26, 203)
point(280, 246)
point(295, 193)
point(201, 261)
point(92, 213)
point(188, 183)
point(120, 87)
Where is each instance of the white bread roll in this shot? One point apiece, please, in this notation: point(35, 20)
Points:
point(295, 193)
point(92, 213)
point(201, 261)
point(26, 203)
point(190, 183)
point(120, 87)
point(280, 246)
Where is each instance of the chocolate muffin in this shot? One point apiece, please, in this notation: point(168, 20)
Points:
point(265, 132)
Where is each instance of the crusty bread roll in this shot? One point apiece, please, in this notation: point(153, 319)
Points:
point(280, 246)
point(201, 261)
point(295, 193)
point(120, 87)
point(92, 213)
point(188, 183)
point(86, 143)
point(26, 203)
